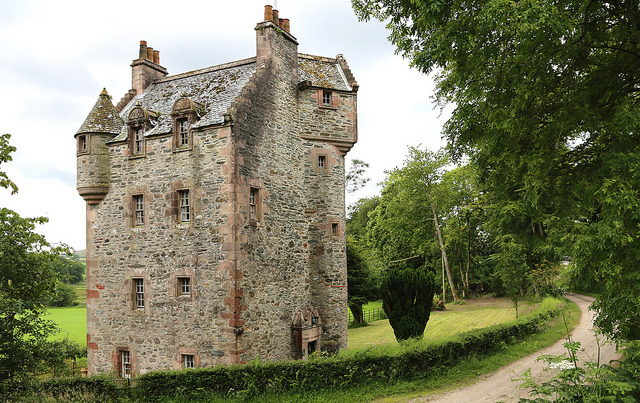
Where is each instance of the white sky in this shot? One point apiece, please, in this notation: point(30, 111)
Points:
point(56, 56)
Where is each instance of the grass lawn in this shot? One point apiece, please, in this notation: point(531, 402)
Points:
point(72, 322)
point(473, 314)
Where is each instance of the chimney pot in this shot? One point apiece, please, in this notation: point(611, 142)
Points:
point(268, 13)
point(149, 53)
point(275, 17)
point(143, 50)
point(156, 56)
point(281, 22)
point(286, 25)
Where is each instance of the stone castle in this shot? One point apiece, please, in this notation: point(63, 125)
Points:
point(215, 210)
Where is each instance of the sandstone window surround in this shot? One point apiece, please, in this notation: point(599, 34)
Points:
point(136, 208)
point(184, 114)
point(328, 99)
point(321, 160)
point(83, 144)
point(183, 284)
point(307, 332)
point(334, 228)
point(138, 122)
point(186, 358)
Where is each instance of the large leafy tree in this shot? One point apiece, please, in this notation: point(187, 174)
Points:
point(546, 98)
point(362, 284)
point(26, 281)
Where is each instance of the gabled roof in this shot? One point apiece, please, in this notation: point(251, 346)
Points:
point(103, 118)
point(215, 88)
point(322, 72)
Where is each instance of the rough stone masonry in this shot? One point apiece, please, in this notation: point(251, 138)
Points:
point(215, 210)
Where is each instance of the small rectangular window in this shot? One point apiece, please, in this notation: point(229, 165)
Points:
point(125, 364)
point(184, 285)
point(334, 229)
point(138, 291)
point(253, 203)
point(138, 140)
point(326, 98)
point(138, 203)
point(322, 161)
point(185, 206)
point(188, 361)
point(82, 144)
point(183, 132)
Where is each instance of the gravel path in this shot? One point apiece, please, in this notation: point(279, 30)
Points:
point(498, 385)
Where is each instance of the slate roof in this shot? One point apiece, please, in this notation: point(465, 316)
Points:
point(215, 88)
point(322, 72)
point(103, 118)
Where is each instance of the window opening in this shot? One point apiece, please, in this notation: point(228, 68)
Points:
point(125, 364)
point(326, 98)
point(253, 203)
point(183, 132)
point(138, 284)
point(334, 228)
point(185, 206)
point(138, 201)
point(185, 285)
point(322, 161)
point(188, 361)
point(82, 144)
point(137, 141)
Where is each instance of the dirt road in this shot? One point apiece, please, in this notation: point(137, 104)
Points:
point(498, 386)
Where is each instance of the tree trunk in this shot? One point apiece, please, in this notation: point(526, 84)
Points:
point(358, 313)
point(442, 249)
point(466, 277)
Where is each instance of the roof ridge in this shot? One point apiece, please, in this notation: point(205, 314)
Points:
point(315, 57)
point(223, 66)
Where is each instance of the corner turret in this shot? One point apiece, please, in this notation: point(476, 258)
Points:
point(101, 125)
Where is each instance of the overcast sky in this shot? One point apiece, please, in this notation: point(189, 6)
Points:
point(56, 56)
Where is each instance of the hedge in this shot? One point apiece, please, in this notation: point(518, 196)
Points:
point(414, 360)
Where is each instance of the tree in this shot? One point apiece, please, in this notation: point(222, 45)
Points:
point(355, 179)
point(407, 296)
point(69, 270)
point(546, 97)
point(360, 280)
point(26, 280)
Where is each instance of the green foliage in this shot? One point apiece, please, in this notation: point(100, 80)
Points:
point(362, 285)
point(546, 106)
point(569, 381)
point(354, 178)
point(410, 361)
point(407, 293)
point(5, 156)
point(26, 280)
point(69, 270)
point(63, 295)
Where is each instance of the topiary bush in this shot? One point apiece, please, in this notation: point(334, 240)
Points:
point(407, 296)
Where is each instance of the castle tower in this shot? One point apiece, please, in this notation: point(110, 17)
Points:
point(215, 210)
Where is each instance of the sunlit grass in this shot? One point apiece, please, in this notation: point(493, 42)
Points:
point(72, 322)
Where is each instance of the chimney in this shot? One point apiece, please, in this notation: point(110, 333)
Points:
point(275, 17)
point(285, 25)
point(146, 68)
point(268, 13)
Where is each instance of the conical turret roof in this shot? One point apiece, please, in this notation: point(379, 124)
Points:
point(103, 118)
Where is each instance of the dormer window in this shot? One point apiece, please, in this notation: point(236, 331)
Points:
point(138, 123)
point(184, 114)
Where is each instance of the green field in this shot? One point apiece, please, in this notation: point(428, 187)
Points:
point(473, 314)
point(72, 322)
